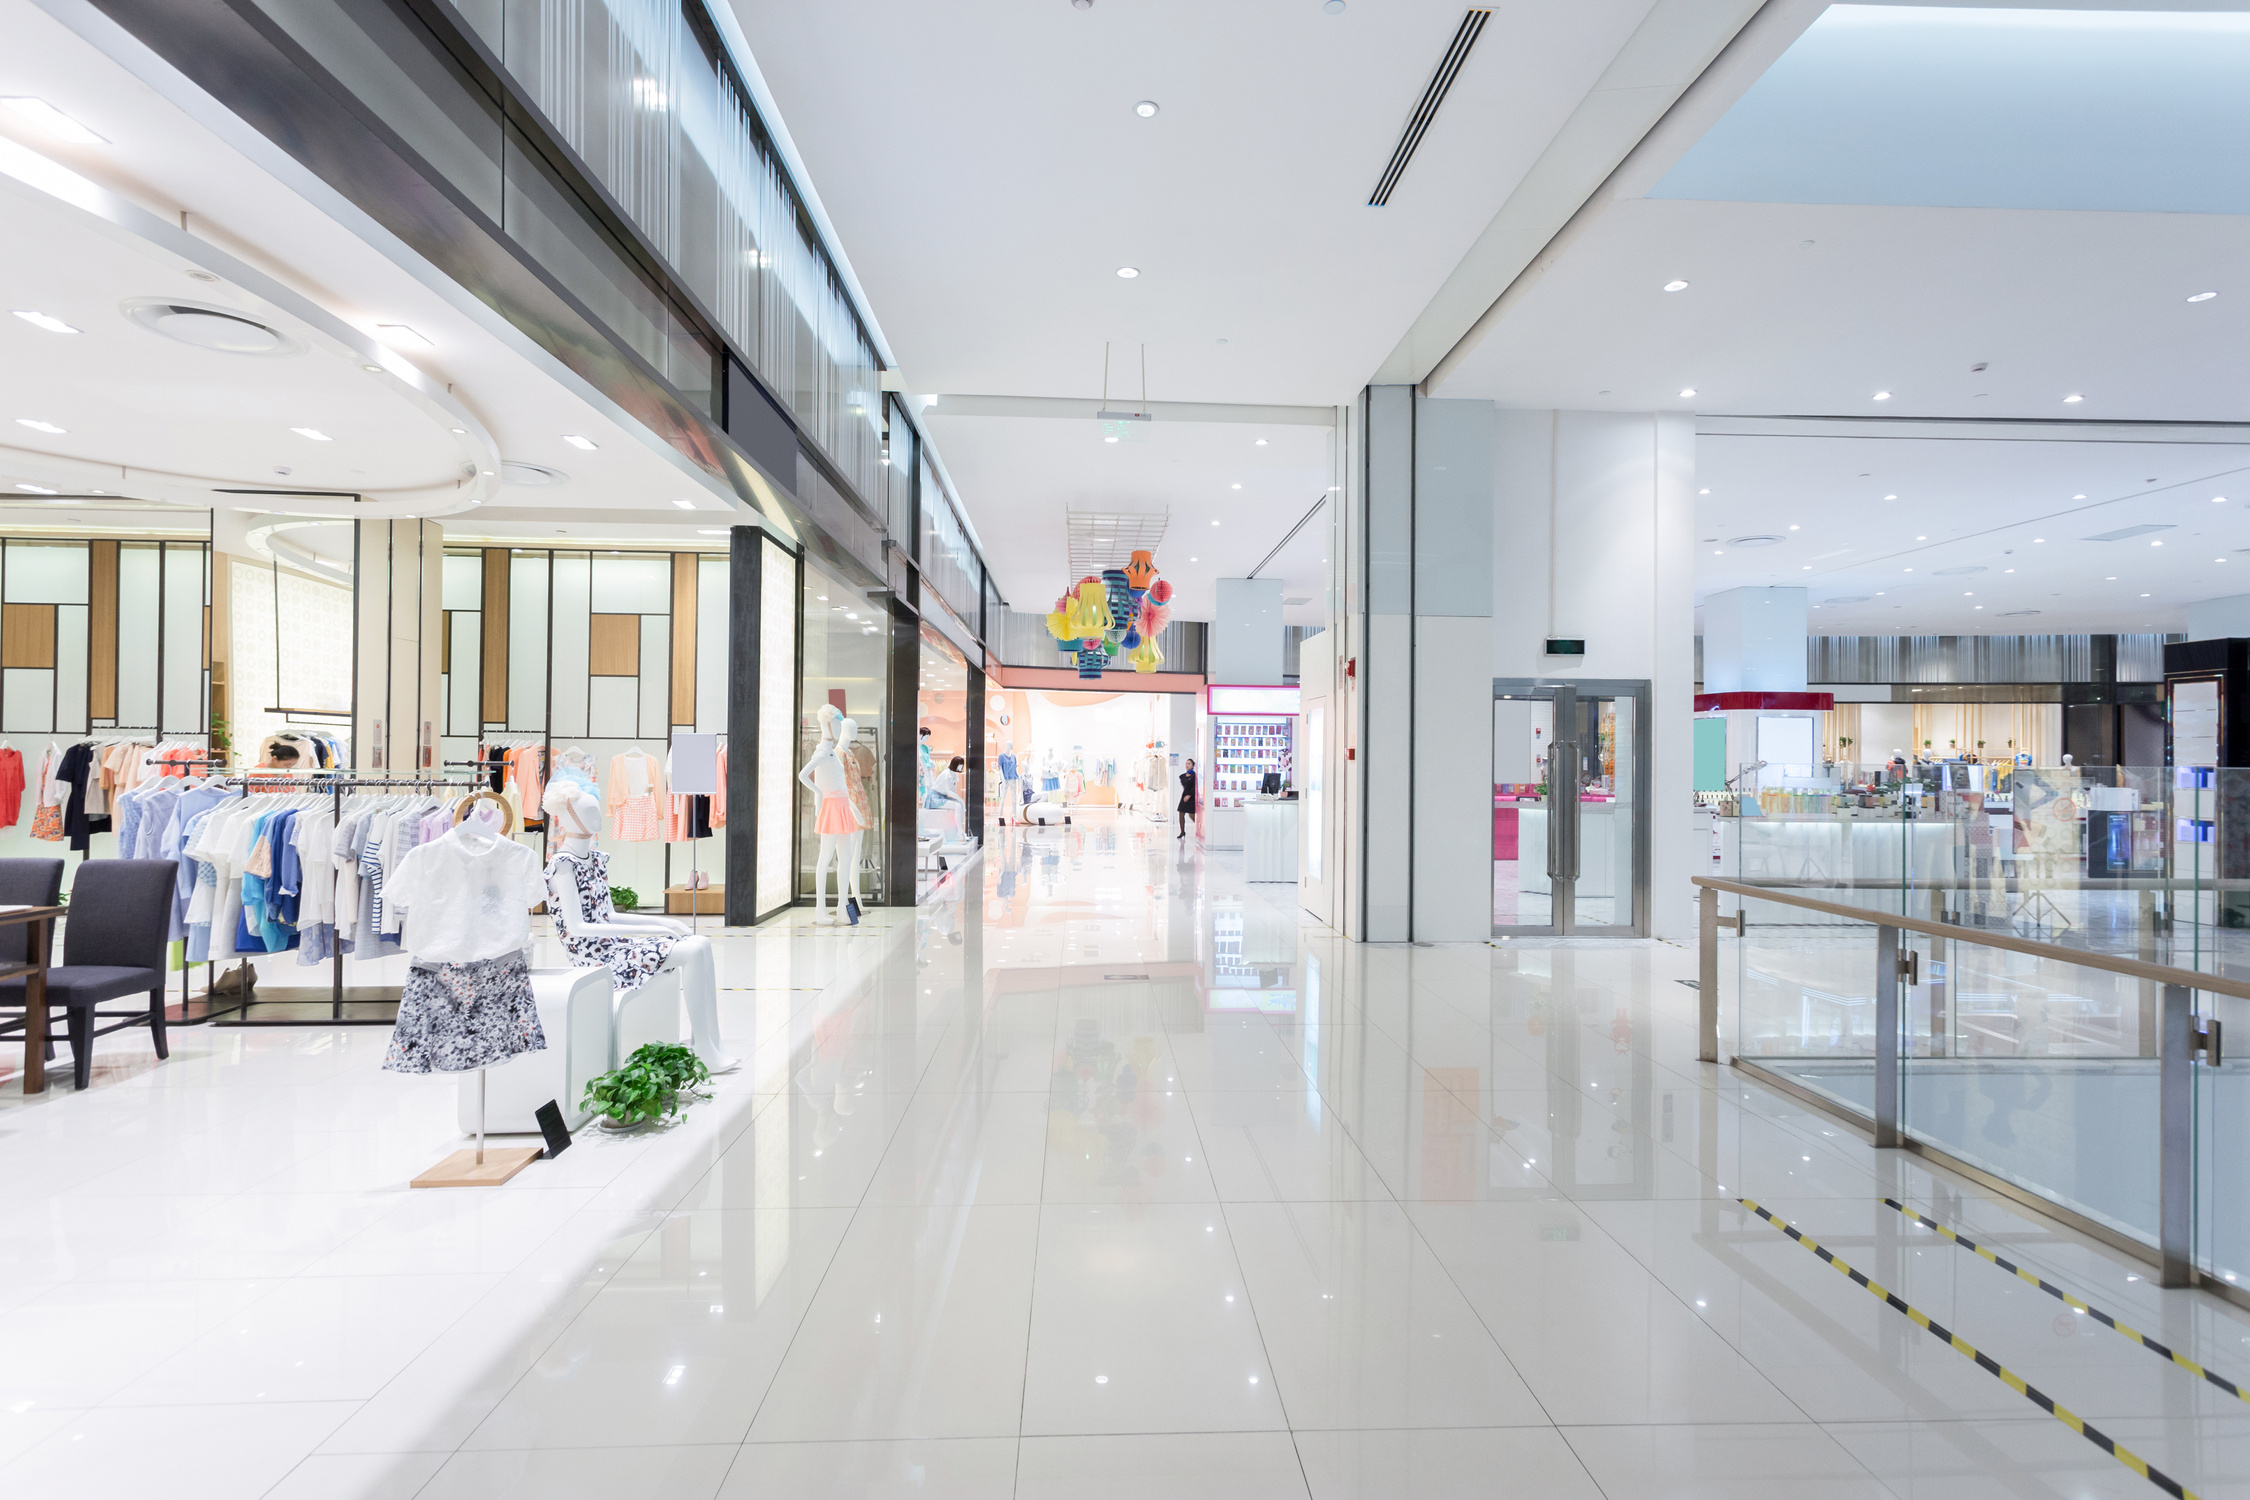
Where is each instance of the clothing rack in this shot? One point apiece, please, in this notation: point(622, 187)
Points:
point(336, 784)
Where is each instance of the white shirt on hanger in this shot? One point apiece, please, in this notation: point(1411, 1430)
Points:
point(467, 895)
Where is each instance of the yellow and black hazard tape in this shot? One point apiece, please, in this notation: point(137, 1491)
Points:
point(1988, 1364)
point(2138, 1337)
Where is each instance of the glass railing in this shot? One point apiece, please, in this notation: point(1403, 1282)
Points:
point(2029, 973)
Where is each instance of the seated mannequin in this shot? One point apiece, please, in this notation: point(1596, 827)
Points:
point(633, 946)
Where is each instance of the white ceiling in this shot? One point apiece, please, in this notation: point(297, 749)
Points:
point(1034, 470)
point(2009, 505)
point(985, 169)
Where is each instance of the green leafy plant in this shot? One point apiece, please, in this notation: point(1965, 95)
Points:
point(624, 898)
point(655, 1083)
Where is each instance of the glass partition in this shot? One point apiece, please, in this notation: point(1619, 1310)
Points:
point(846, 651)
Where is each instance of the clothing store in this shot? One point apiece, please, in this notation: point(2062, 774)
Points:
point(1090, 756)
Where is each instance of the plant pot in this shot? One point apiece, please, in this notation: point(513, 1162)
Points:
point(614, 1126)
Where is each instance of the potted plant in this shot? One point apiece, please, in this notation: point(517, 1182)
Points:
point(655, 1083)
point(624, 898)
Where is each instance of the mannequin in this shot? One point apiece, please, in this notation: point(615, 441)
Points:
point(574, 812)
point(823, 776)
point(572, 806)
point(859, 765)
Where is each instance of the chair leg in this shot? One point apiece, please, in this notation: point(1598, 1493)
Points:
point(156, 1022)
point(82, 1046)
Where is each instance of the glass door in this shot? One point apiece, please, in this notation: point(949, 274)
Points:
point(1570, 808)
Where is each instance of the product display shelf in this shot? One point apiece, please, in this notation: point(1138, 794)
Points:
point(1243, 750)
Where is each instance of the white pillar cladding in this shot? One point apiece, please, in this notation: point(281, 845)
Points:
point(399, 592)
point(1754, 640)
point(1246, 636)
point(2219, 619)
point(1415, 534)
point(1593, 538)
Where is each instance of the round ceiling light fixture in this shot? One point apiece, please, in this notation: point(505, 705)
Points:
point(1128, 272)
point(530, 476)
point(2203, 296)
point(1334, 7)
point(1753, 541)
point(218, 329)
point(1675, 286)
point(1146, 109)
point(1685, 394)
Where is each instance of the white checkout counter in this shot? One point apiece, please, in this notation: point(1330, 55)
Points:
point(1270, 829)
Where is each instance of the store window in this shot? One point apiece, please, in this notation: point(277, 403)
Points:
point(846, 648)
point(943, 747)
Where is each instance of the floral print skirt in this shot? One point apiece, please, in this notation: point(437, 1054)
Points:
point(455, 1017)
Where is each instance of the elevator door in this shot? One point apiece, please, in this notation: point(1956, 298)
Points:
point(1570, 808)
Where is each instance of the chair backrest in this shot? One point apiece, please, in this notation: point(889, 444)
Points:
point(120, 913)
point(26, 882)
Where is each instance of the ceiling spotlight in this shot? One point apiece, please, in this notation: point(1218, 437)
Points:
point(685, 504)
point(2218, 499)
point(42, 320)
point(1675, 286)
point(2038, 539)
point(1882, 395)
point(1703, 492)
point(2070, 400)
point(1921, 539)
point(1146, 109)
point(710, 531)
point(1687, 393)
point(1260, 443)
point(2203, 296)
point(38, 426)
point(48, 120)
point(313, 433)
point(1110, 439)
point(2078, 497)
point(1890, 497)
point(582, 444)
point(460, 432)
point(2156, 544)
point(2144, 596)
point(1194, 559)
point(1128, 272)
point(1792, 528)
point(372, 369)
point(1214, 523)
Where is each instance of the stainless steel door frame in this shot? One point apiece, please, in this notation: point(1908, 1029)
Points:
point(1563, 810)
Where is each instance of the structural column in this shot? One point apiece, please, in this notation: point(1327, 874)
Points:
point(398, 598)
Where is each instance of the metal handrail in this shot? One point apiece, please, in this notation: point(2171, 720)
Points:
point(2133, 968)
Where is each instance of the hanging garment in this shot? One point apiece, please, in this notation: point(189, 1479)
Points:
point(11, 785)
point(634, 798)
point(855, 787)
point(634, 960)
point(79, 825)
point(719, 803)
point(455, 1017)
point(467, 896)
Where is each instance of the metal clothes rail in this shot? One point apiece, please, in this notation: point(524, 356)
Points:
point(2183, 1040)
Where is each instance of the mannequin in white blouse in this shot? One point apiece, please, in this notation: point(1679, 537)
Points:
point(574, 813)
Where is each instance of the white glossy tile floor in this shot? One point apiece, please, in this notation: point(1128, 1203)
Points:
point(1102, 1174)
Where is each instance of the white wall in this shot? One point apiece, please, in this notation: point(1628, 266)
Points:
point(1246, 636)
point(2219, 619)
point(1593, 537)
point(1754, 640)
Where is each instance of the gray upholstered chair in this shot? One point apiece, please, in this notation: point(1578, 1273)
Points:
point(24, 882)
point(112, 946)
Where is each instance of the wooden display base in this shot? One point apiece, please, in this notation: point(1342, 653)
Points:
point(462, 1169)
point(695, 901)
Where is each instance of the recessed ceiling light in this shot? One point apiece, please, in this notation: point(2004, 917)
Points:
point(399, 336)
point(36, 425)
point(47, 119)
point(1703, 492)
point(2068, 400)
point(1260, 443)
point(1792, 528)
point(1194, 559)
point(2156, 544)
point(1675, 286)
point(460, 432)
point(1146, 109)
point(2112, 578)
point(1921, 539)
point(2007, 570)
point(43, 320)
point(314, 433)
point(1128, 272)
point(2218, 499)
point(583, 445)
point(1110, 439)
point(2203, 296)
point(2144, 596)
point(1882, 395)
point(37, 489)
point(710, 531)
point(1890, 497)
point(1719, 553)
point(685, 504)
point(2037, 539)
point(2078, 497)
point(1688, 392)
point(372, 369)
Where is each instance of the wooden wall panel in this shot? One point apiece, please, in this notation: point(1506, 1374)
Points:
point(495, 605)
point(683, 636)
point(614, 647)
point(101, 630)
point(27, 637)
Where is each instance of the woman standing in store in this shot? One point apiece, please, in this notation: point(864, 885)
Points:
point(1187, 796)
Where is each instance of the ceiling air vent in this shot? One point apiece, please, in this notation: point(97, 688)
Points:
point(2126, 533)
point(531, 476)
point(1753, 541)
point(1441, 82)
point(219, 329)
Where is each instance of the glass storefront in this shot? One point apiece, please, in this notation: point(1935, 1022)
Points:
point(942, 737)
point(846, 650)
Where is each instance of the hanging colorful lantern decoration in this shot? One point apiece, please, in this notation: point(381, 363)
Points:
point(1118, 613)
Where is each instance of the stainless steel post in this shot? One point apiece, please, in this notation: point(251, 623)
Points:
point(1707, 978)
point(2175, 1134)
point(1886, 1035)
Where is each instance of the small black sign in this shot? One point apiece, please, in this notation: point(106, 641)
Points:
point(1565, 648)
point(549, 1116)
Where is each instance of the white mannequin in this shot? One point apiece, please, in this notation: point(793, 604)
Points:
point(574, 812)
point(847, 732)
point(823, 776)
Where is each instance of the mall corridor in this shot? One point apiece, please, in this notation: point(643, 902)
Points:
point(1100, 1173)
